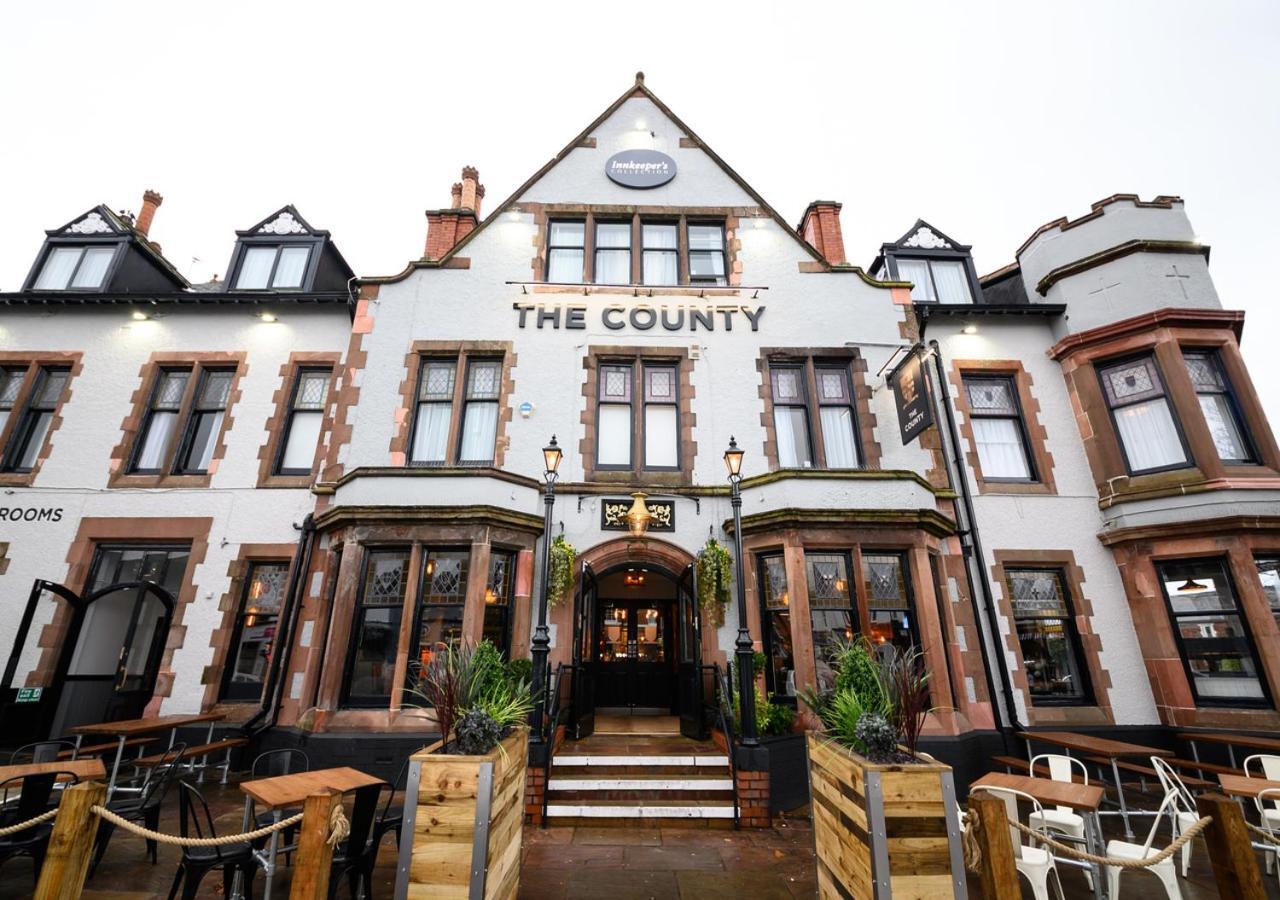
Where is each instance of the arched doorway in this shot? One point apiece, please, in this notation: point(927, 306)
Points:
point(637, 635)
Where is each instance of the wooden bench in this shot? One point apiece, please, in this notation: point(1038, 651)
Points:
point(201, 752)
point(95, 749)
point(1215, 768)
point(1042, 771)
point(1147, 772)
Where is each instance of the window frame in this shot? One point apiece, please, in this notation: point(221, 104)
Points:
point(639, 422)
point(346, 699)
point(658, 221)
point(1099, 368)
point(852, 586)
point(636, 221)
point(1019, 415)
point(242, 255)
point(1088, 696)
point(300, 371)
point(1213, 355)
point(962, 260)
point(461, 360)
point(83, 247)
point(29, 409)
point(904, 562)
point(596, 250)
point(581, 248)
point(507, 606)
point(465, 403)
point(631, 364)
point(1224, 563)
point(193, 410)
point(237, 629)
point(638, 365)
point(810, 402)
point(723, 250)
point(775, 691)
point(420, 604)
point(802, 404)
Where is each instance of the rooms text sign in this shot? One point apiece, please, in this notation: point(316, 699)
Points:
point(642, 317)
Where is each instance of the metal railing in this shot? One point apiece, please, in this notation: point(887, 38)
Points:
point(555, 711)
point(720, 705)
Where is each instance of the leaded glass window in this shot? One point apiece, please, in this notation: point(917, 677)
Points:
point(831, 617)
point(31, 429)
point(302, 428)
point(776, 603)
point(889, 600)
point(998, 433)
point(1218, 406)
point(1051, 652)
point(254, 635)
point(1143, 417)
point(375, 633)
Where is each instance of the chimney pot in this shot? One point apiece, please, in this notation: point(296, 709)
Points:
point(445, 227)
point(470, 189)
point(457, 194)
point(151, 201)
point(820, 227)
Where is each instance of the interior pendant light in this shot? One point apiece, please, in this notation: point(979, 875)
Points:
point(638, 516)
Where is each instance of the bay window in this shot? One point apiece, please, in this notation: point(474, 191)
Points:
point(254, 633)
point(1150, 437)
point(999, 433)
point(375, 631)
point(889, 607)
point(1212, 633)
point(936, 280)
point(1269, 577)
point(32, 426)
point(1218, 405)
point(499, 599)
point(441, 598)
point(303, 422)
point(775, 601)
point(831, 613)
point(1047, 636)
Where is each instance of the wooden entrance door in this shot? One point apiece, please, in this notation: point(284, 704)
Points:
point(634, 660)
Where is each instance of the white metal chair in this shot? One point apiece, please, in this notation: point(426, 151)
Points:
point(1164, 870)
point(1271, 826)
point(1267, 765)
point(1034, 861)
point(1061, 818)
point(1183, 813)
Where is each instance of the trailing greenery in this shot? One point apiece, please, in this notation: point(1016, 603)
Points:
point(878, 702)
point(771, 718)
point(560, 578)
point(520, 669)
point(715, 575)
point(477, 697)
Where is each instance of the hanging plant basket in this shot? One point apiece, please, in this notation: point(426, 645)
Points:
point(715, 575)
point(560, 578)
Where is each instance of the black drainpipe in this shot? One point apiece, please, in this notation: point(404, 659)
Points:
point(971, 542)
point(272, 692)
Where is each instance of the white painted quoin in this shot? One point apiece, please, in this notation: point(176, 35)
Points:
point(1128, 279)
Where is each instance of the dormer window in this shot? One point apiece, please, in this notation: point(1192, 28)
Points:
point(273, 267)
point(76, 268)
point(936, 280)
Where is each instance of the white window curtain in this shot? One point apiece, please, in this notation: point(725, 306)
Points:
point(57, 270)
point(31, 450)
point(93, 269)
point(205, 440)
point(952, 282)
point(304, 435)
point(565, 266)
point(660, 437)
point(917, 272)
point(837, 437)
point(614, 435)
point(1000, 449)
point(1221, 420)
point(292, 267)
point(430, 441)
point(155, 447)
point(613, 253)
point(660, 267)
point(255, 268)
point(479, 430)
point(791, 426)
point(1149, 436)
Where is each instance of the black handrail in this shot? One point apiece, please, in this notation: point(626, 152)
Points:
point(555, 710)
point(723, 710)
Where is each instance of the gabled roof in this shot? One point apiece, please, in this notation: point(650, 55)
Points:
point(638, 89)
point(101, 223)
point(284, 222)
point(923, 236)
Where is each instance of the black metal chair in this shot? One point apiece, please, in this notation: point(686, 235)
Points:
point(42, 751)
point(195, 820)
point(392, 816)
point(144, 807)
point(356, 855)
point(271, 764)
point(34, 797)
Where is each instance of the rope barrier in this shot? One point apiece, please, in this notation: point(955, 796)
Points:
point(1269, 836)
point(30, 823)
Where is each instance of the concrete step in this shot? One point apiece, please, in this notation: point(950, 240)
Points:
point(568, 758)
point(602, 812)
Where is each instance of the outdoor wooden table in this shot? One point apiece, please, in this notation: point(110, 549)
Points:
point(1231, 740)
point(129, 728)
point(1086, 799)
point(1112, 750)
point(81, 768)
point(283, 791)
point(1243, 786)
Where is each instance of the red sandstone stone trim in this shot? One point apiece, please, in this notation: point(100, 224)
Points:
point(289, 372)
point(1037, 436)
point(348, 393)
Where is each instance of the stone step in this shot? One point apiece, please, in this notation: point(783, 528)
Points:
point(623, 771)
point(651, 783)
point(608, 810)
point(564, 758)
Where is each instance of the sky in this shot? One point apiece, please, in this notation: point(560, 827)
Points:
point(987, 119)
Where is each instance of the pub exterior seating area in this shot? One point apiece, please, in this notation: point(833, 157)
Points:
point(633, 513)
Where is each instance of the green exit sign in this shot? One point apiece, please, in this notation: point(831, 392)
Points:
point(29, 695)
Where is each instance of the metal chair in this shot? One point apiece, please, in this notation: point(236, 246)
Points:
point(143, 807)
point(1164, 870)
point(195, 820)
point(356, 856)
point(272, 764)
point(1061, 818)
point(1035, 862)
point(392, 816)
point(42, 751)
point(1183, 813)
point(34, 794)
point(1270, 826)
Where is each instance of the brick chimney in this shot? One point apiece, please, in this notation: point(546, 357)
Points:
point(445, 227)
point(150, 203)
point(821, 228)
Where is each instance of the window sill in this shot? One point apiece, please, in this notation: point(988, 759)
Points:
point(287, 481)
point(637, 290)
point(18, 479)
point(1020, 488)
point(160, 481)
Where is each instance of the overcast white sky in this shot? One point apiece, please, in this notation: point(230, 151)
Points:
point(986, 119)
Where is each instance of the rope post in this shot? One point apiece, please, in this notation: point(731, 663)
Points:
point(998, 873)
point(71, 843)
point(1235, 868)
point(315, 853)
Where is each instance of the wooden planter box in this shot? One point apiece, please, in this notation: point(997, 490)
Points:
point(463, 819)
point(883, 831)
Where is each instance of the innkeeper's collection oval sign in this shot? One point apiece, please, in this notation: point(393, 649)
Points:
point(640, 168)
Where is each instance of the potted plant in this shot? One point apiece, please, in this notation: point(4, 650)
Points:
point(885, 818)
point(560, 575)
point(464, 800)
point(715, 574)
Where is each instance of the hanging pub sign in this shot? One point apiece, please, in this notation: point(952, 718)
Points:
point(640, 169)
point(911, 397)
point(613, 514)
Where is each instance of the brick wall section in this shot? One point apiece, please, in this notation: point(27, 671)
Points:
point(753, 799)
point(821, 229)
point(535, 788)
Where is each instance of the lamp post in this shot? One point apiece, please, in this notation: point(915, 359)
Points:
point(551, 455)
point(745, 648)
